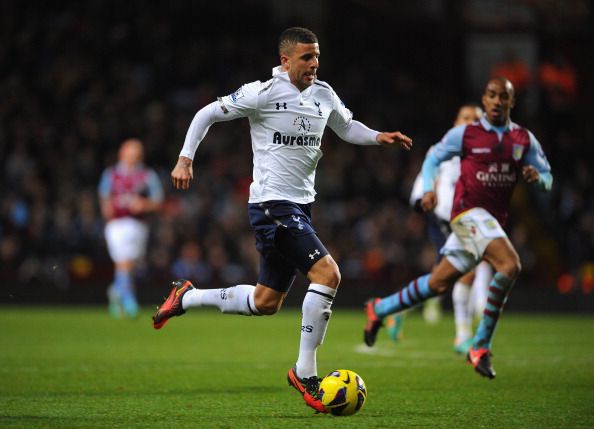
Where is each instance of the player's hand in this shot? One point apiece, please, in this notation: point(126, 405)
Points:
point(530, 174)
point(182, 173)
point(390, 138)
point(107, 209)
point(429, 201)
point(139, 205)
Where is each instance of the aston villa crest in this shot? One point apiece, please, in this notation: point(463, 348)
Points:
point(517, 152)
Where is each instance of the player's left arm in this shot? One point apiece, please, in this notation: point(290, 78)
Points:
point(537, 169)
point(389, 138)
point(342, 123)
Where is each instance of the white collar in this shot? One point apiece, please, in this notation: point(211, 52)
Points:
point(279, 73)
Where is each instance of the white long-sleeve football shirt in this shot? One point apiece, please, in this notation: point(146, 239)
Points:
point(286, 127)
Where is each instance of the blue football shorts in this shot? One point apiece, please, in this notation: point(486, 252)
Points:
point(286, 240)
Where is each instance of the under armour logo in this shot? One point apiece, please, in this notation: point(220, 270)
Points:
point(314, 254)
point(279, 105)
point(317, 103)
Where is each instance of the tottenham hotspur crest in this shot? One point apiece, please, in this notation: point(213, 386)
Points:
point(317, 103)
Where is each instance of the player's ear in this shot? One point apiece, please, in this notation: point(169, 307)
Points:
point(285, 61)
point(512, 102)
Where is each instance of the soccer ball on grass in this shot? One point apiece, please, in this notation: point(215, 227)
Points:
point(342, 392)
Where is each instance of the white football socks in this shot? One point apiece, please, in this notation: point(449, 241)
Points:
point(483, 273)
point(316, 314)
point(237, 299)
point(462, 314)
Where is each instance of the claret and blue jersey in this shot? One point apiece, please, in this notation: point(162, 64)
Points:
point(491, 164)
point(121, 185)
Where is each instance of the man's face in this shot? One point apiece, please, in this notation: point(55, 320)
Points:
point(468, 115)
point(302, 64)
point(498, 101)
point(131, 152)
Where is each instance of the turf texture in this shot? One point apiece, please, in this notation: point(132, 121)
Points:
point(77, 368)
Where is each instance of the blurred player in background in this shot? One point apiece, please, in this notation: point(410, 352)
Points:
point(466, 303)
point(495, 153)
point(128, 192)
point(287, 116)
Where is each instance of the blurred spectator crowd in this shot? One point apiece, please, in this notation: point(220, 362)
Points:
point(78, 79)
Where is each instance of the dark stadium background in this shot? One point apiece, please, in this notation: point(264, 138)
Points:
point(76, 78)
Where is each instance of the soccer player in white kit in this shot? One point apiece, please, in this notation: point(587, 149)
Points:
point(287, 116)
point(128, 192)
point(466, 301)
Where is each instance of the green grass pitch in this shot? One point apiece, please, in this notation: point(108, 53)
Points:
point(76, 367)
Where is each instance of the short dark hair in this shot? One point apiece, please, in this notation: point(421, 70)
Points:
point(292, 36)
point(471, 104)
point(504, 81)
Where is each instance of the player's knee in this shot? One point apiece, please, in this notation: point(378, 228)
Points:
point(511, 269)
point(330, 277)
point(335, 277)
point(267, 307)
point(327, 273)
point(439, 285)
point(518, 268)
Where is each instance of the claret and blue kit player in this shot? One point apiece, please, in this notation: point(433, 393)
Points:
point(469, 292)
point(495, 153)
point(128, 192)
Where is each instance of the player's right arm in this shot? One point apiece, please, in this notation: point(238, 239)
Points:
point(240, 104)
point(447, 148)
point(104, 191)
point(416, 194)
point(182, 173)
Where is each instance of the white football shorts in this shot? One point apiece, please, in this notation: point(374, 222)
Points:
point(126, 239)
point(472, 231)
